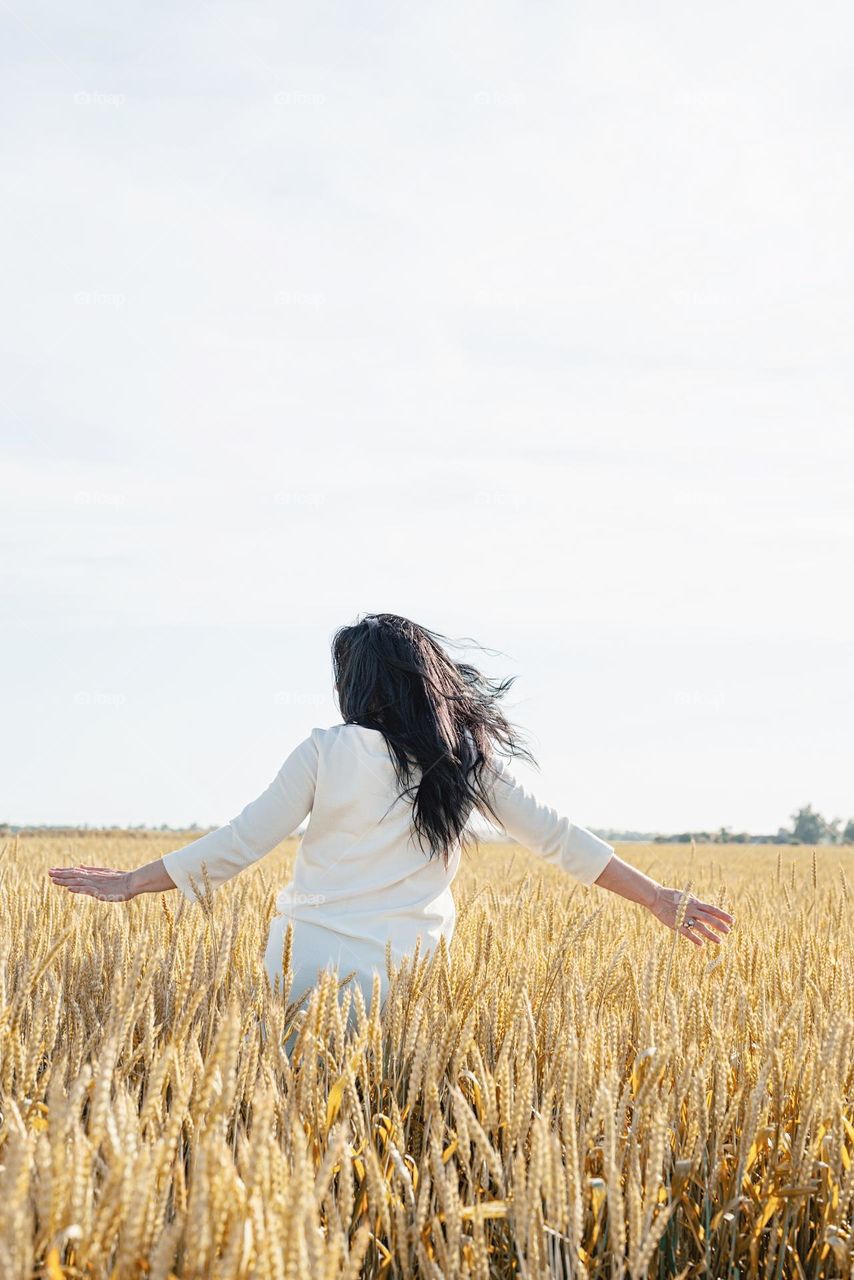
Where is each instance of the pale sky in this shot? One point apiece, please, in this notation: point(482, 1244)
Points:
point(531, 322)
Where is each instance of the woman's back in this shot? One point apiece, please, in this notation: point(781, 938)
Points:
point(360, 881)
point(359, 870)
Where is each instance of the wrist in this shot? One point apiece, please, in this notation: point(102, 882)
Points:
point(652, 895)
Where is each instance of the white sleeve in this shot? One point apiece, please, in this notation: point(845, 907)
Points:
point(575, 849)
point(256, 830)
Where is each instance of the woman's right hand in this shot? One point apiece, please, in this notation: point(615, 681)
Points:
point(706, 918)
point(98, 882)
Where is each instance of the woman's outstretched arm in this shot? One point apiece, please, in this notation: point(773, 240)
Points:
point(622, 878)
point(592, 860)
point(223, 853)
point(114, 886)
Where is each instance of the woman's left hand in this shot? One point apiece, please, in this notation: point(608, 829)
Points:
point(98, 882)
point(701, 921)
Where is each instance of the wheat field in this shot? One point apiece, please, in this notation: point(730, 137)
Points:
point(573, 1091)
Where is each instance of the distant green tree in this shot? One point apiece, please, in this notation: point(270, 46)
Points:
point(808, 827)
point(848, 833)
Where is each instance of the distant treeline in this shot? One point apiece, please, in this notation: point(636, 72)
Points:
point(7, 830)
point(808, 827)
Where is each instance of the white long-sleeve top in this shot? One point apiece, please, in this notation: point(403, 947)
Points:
point(360, 875)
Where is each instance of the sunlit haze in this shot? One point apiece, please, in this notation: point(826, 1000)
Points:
point(531, 322)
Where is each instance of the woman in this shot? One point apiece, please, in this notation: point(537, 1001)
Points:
point(389, 792)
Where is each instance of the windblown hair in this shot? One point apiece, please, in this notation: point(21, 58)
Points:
point(441, 720)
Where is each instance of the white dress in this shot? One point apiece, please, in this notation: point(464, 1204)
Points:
point(360, 878)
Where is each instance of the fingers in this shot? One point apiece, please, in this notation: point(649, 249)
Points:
point(709, 909)
point(74, 886)
point(96, 875)
point(700, 928)
point(101, 894)
point(72, 882)
point(64, 877)
point(96, 883)
point(698, 925)
point(708, 922)
point(711, 918)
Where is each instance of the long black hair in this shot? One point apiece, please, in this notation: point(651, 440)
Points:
point(441, 719)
